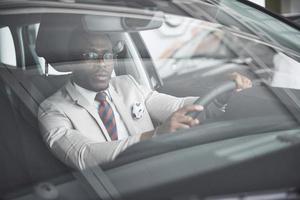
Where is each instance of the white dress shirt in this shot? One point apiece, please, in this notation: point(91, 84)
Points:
point(90, 97)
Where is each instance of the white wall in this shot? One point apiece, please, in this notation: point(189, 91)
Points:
point(259, 2)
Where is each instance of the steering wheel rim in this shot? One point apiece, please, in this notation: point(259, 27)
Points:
point(213, 94)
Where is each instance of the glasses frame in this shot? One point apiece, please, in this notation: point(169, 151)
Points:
point(107, 57)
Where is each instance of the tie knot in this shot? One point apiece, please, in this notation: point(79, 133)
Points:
point(101, 96)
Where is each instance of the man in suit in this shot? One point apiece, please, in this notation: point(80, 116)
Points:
point(95, 117)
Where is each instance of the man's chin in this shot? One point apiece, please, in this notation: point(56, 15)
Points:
point(100, 87)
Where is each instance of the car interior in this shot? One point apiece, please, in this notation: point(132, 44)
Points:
point(27, 161)
point(41, 41)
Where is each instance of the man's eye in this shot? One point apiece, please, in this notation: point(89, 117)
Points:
point(90, 56)
point(93, 55)
point(108, 56)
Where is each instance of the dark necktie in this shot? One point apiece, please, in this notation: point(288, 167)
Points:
point(107, 115)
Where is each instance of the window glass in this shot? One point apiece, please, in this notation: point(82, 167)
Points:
point(265, 25)
point(7, 47)
point(197, 61)
point(78, 119)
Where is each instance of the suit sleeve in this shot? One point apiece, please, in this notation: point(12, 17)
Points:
point(160, 106)
point(71, 146)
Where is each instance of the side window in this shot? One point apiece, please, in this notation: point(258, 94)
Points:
point(7, 47)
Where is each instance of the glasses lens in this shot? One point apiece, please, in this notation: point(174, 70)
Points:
point(90, 56)
point(106, 57)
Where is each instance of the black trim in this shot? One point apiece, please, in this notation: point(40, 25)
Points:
point(13, 30)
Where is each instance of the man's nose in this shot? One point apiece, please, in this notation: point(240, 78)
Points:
point(101, 62)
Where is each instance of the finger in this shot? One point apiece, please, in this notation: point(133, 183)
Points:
point(190, 124)
point(238, 82)
point(244, 82)
point(186, 119)
point(233, 75)
point(179, 126)
point(195, 122)
point(247, 83)
point(182, 122)
point(189, 108)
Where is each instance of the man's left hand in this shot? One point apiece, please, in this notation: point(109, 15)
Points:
point(242, 82)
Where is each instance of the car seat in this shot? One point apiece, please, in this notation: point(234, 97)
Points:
point(25, 158)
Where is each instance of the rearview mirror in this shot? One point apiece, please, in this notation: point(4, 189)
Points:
point(121, 24)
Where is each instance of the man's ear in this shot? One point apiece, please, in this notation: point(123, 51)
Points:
point(118, 47)
point(119, 50)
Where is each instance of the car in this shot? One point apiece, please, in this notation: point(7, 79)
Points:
point(250, 149)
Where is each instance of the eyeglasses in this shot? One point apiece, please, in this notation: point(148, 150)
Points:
point(107, 57)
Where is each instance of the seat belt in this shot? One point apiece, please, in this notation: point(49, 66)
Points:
point(19, 89)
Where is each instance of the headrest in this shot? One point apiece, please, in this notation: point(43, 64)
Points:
point(53, 36)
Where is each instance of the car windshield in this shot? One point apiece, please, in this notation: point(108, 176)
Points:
point(87, 84)
point(267, 27)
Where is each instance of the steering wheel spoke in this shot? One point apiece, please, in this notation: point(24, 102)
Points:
point(212, 95)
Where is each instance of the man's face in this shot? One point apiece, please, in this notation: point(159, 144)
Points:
point(97, 58)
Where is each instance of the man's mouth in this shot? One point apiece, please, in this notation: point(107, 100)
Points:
point(101, 77)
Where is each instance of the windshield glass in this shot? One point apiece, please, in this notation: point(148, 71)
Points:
point(264, 25)
point(79, 88)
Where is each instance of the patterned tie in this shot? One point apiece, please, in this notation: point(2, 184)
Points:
point(107, 115)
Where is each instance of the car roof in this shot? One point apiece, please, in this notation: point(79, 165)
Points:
point(125, 3)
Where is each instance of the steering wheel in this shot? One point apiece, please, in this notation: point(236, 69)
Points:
point(213, 94)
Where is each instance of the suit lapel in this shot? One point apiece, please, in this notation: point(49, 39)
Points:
point(121, 108)
point(81, 101)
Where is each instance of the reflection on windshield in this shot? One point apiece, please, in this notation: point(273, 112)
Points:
point(78, 98)
point(264, 25)
point(286, 72)
point(203, 45)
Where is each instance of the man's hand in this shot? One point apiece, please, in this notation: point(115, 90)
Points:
point(242, 82)
point(179, 119)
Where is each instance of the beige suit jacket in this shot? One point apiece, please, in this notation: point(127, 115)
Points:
point(75, 133)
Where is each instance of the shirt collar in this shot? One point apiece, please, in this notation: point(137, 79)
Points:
point(88, 94)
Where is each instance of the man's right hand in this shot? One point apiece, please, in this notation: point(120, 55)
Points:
point(179, 119)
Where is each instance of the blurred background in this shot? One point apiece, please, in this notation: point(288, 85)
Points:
point(280, 6)
point(287, 8)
